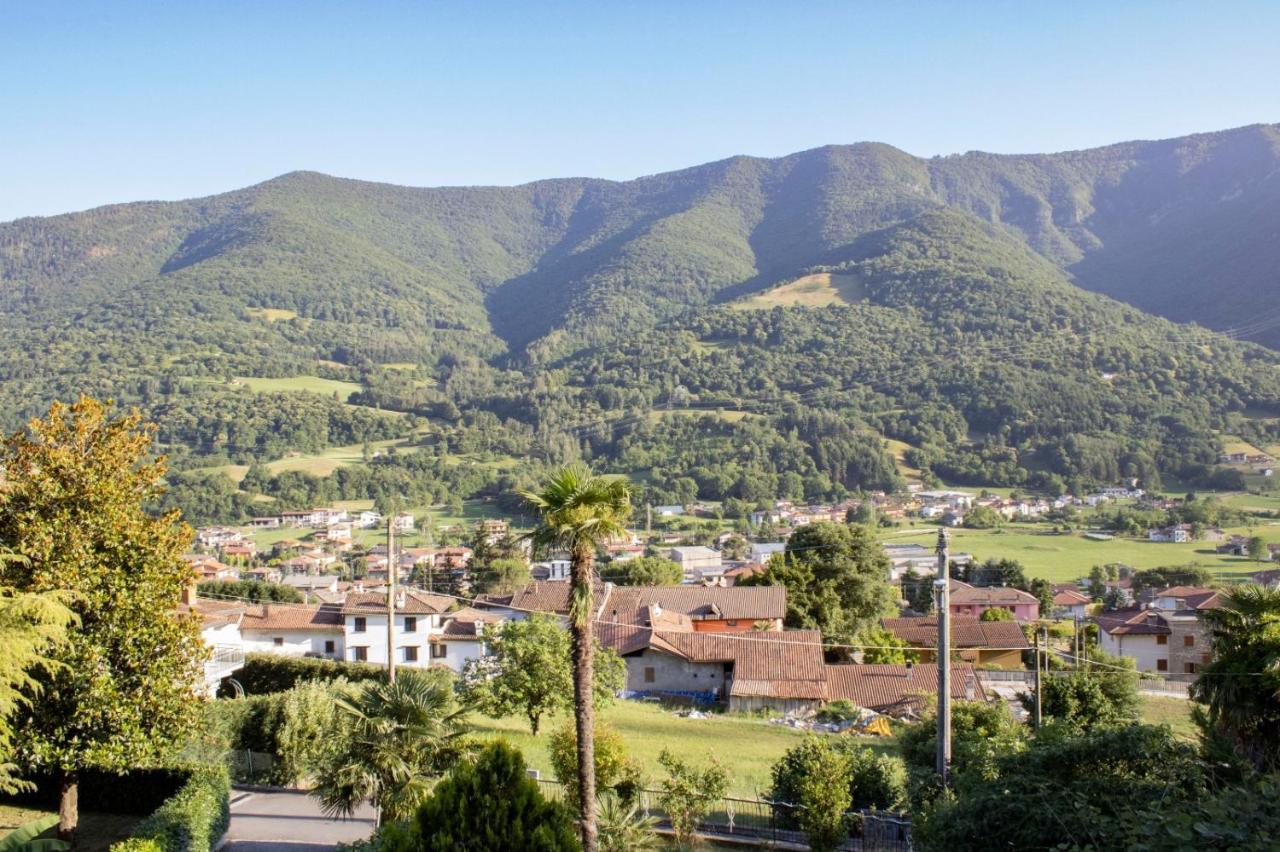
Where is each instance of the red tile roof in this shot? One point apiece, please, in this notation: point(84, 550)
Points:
point(1195, 597)
point(966, 632)
point(898, 690)
point(963, 593)
point(1133, 621)
point(1069, 597)
point(325, 617)
point(415, 603)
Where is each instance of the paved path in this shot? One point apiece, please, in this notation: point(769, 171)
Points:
point(289, 822)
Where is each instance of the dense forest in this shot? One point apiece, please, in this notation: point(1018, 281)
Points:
point(648, 326)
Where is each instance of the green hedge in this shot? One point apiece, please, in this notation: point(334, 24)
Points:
point(266, 673)
point(192, 820)
point(138, 791)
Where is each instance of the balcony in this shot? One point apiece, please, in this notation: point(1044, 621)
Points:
point(225, 660)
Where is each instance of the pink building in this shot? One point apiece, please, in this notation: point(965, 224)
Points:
point(975, 600)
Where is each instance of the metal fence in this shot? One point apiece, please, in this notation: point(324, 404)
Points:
point(1170, 685)
point(773, 822)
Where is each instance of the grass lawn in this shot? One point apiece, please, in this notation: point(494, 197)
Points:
point(271, 314)
point(96, 833)
point(747, 747)
point(1174, 712)
point(1062, 558)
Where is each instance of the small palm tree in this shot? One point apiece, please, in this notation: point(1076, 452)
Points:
point(624, 827)
point(397, 738)
point(581, 513)
point(1241, 685)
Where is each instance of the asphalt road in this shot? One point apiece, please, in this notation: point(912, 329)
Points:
point(289, 822)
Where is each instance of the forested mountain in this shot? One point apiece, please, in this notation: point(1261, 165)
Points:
point(561, 318)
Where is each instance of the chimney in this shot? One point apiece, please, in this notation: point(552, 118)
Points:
point(968, 688)
point(910, 670)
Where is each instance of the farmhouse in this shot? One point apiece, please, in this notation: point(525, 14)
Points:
point(417, 614)
point(899, 691)
point(984, 643)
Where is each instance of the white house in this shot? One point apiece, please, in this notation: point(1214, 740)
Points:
point(294, 630)
point(463, 637)
point(1140, 634)
point(418, 616)
point(761, 550)
point(698, 563)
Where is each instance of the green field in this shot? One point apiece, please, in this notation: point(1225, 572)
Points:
point(1063, 558)
point(747, 747)
point(1174, 712)
point(304, 384)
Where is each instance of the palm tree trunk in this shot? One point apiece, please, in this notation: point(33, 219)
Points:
point(580, 627)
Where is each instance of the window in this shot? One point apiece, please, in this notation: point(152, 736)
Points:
point(1162, 665)
point(360, 624)
point(279, 640)
point(410, 624)
point(733, 622)
point(1162, 640)
point(360, 654)
point(438, 650)
point(328, 646)
point(1189, 668)
point(1188, 640)
point(411, 655)
point(648, 674)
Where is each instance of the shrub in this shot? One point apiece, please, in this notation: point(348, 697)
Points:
point(825, 798)
point(996, 613)
point(492, 805)
point(266, 673)
point(193, 820)
point(873, 780)
point(842, 710)
point(615, 770)
point(687, 793)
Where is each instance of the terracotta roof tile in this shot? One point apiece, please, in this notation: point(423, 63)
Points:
point(963, 593)
point(1133, 621)
point(415, 603)
point(898, 690)
point(966, 632)
point(326, 617)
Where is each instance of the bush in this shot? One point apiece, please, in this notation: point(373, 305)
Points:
point(873, 780)
point(492, 805)
point(996, 614)
point(842, 710)
point(193, 820)
point(615, 770)
point(687, 793)
point(267, 673)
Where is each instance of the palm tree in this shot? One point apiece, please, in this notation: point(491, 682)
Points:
point(1241, 685)
point(580, 513)
point(398, 737)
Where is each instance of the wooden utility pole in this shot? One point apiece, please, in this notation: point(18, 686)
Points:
point(1039, 691)
point(648, 523)
point(391, 597)
point(942, 589)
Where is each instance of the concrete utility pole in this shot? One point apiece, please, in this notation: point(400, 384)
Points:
point(391, 597)
point(942, 590)
point(1039, 692)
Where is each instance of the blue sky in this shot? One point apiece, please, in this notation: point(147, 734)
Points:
point(120, 101)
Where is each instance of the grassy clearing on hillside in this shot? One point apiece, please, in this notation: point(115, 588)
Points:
point(820, 290)
point(306, 384)
point(1063, 558)
point(747, 747)
point(1234, 444)
point(898, 450)
point(729, 415)
point(1174, 712)
point(271, 314)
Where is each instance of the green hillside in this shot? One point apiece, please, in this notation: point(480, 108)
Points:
point(843, 296)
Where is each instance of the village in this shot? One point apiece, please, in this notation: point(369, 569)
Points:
point(337, 562)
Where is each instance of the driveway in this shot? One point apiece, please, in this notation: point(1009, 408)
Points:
point(289, 822)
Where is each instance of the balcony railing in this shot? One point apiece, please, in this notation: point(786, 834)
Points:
point(225, 660)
